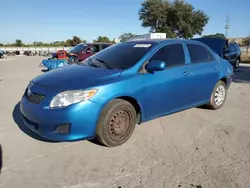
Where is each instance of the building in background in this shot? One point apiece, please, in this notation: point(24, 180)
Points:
point(237, 40)
point(149, 36)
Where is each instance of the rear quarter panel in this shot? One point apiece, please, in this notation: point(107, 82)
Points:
point(226, 71)
point(225, 68)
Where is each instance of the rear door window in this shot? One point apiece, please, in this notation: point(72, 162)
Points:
point(172, 54)
point(199, 54)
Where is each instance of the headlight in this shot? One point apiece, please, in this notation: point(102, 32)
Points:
point(70, 97)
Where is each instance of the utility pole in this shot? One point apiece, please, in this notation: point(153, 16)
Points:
point(227, 26)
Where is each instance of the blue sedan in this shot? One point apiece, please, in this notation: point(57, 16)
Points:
point(126, 84)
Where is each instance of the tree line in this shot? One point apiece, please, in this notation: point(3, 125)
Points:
point(177, 18)
point(70, 42)
point(76, 40)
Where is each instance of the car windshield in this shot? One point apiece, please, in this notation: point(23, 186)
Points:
point(76, 49)
point(120, 56)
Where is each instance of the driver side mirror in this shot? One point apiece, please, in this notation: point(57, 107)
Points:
point(88, 51)
point(156, 65)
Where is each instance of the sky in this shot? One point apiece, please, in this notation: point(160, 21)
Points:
point(57, 20)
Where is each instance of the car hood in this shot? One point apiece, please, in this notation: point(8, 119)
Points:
point(216, 44)
point(73, 77)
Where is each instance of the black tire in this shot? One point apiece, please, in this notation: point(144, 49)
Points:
point(215, 103)
point(116, 123)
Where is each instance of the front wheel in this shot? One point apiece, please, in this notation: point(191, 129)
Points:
point(218, 96)
point(116, 123)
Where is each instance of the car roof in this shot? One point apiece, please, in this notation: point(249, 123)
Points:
point(98, 43)
point(94, 43)
point(160, 41)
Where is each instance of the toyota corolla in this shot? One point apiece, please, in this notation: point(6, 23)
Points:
point(124, 85)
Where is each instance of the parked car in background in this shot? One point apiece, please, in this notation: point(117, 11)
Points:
point(127, 83)
point(44, 53)
point(13, 53)
point(228, 51)
point(2, 54)
point(83, 51)
point(235, 54)
point(74, 55)
point(29, 53)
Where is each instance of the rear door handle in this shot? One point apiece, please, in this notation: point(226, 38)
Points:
point(185, 73)
point(216, 68)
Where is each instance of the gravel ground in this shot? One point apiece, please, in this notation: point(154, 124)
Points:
point(196, 148)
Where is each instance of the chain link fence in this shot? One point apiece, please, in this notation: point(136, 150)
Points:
point(33, 49)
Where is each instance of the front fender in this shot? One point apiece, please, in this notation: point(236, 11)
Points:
point(131, 87)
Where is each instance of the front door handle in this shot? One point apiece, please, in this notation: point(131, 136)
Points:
point(216, 68)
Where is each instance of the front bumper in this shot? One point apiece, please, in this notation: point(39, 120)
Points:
point(81, 118)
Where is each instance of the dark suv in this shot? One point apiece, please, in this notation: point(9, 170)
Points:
point(228, 51)
point(83, 51)
point(233, 54)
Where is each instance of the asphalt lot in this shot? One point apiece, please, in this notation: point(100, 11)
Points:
point(196, 148)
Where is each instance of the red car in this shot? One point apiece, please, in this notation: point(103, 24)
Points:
point(83, 51)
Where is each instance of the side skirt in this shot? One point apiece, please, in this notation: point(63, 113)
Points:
point(174, 111)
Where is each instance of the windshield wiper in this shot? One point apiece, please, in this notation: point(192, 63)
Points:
point(104, 63)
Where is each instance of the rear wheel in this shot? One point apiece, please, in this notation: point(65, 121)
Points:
point(237, 64)
point(116, 123)
point(218, 96)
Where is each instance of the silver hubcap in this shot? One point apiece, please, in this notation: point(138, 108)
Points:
point(219, 96)
point(237, 63)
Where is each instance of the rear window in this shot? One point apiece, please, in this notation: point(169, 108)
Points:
point(199, 54)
